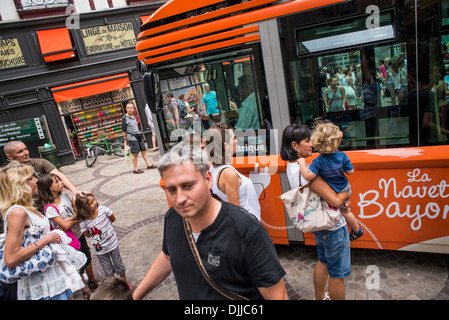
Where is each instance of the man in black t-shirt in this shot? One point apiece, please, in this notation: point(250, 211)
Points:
point(235, 249)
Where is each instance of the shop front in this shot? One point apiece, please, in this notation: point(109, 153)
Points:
point(74, 82)
point(93, 109)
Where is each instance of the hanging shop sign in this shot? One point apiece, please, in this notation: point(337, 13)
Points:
point(11, 54)
point(23, 130)
point(108, 38)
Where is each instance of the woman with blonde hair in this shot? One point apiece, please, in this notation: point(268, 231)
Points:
point(17, 187)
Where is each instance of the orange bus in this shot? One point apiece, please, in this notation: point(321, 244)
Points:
point(269, 63)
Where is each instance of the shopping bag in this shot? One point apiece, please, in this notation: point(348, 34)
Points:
point(127, 152)
point(308, 212)
point(38, 263)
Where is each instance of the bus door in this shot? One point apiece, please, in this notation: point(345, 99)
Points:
point(230, 87)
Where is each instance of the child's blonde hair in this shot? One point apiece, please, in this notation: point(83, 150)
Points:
point(326, 137)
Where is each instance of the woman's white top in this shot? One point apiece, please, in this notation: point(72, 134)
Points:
point(293, 174)
point(247, 193)
point(55, 280)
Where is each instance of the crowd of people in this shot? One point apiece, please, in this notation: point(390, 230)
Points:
point(212, 203)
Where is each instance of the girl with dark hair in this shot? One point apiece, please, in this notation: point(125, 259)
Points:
point(96, 223)
point(58, 208)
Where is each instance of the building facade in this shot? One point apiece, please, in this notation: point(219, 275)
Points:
point(67, 70)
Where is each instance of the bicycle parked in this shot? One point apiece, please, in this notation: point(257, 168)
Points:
point(105, 146)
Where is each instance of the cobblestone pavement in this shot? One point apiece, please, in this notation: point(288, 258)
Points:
point(139, 205)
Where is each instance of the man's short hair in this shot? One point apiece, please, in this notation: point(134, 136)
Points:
point(9, 146)
point(187, 151)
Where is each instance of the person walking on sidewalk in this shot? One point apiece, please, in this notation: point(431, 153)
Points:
point(134, 138)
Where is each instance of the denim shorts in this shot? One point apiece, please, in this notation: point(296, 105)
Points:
point(334, 251)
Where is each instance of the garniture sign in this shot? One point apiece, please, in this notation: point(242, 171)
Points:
point(109, 37)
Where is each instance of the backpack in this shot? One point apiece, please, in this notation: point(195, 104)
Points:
point(182, 107)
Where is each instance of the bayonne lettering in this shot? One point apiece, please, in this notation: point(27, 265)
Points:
point(425, 189)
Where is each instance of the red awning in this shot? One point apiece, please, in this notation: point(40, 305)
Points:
point(90, 87)
point(55, 44)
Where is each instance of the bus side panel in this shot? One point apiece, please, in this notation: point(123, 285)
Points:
point(401, 209)
point(272, 210)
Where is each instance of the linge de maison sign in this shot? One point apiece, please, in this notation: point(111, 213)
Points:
point(109, 37)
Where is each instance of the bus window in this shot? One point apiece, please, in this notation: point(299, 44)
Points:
point(366, 80)
point(223, 88)
point(362, 89)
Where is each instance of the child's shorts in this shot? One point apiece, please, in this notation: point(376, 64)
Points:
point(348, 190)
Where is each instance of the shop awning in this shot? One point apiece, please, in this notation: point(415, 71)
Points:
point(55, 44)
point(90, 87)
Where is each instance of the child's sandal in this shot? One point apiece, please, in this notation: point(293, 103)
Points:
point(355, 235)
point(93, 284)
point(87, 294)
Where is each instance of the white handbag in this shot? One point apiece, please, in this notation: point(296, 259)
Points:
point(308, 212)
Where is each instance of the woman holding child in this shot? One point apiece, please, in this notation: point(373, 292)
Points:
point(332, 245)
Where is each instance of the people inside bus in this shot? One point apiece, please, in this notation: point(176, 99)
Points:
point(248, 111)
point(332, 165)
point(18, 151)
point(134, 138)
point(334, 95)
point(296, 145)
point(239, 252)
point(397, 81)
point(211, 102)
point(341, 76)
point(349, 90)
point(368, 113)
point(323, 80)
point(190, 116)
point(151, 125)
point(173, 108)
point(229, 184)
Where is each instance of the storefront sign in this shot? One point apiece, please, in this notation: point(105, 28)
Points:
point(11, 53)
point(23, 130)
point(108, 38)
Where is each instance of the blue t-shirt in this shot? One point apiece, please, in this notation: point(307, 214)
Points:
point(332, 167)
point(211, 101)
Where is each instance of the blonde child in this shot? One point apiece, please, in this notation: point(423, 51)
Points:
point(96, 223)
point(58, 208)
point(331, 165)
